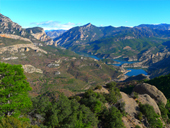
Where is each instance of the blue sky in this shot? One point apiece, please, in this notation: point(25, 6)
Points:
point(64, 14)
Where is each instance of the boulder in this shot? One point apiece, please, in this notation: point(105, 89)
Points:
point(102, 90)
point(57, 73)
point(146, 99)
point(31, 69)
point(131, 107)
point(131, 122)
point(152, 91)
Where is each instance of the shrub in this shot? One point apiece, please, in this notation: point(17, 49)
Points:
point(99, 87)
point(163, 110)
point(11, 122)
point(152, 117)
point(114, 93)
point(137, 126)
point(135, 95)
point(140, 116)
point(111, 85)
point(112, 118)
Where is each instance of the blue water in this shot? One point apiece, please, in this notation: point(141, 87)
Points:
point(122, 62)
point(133, 71)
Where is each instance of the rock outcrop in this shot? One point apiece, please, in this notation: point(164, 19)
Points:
point(147, 59)
point(15, 37)
point(31, 69)
point(102, 90)
point(15, 48)
point(131, 122)
point(131, 107)
point(152, 91)
point(146, 99)
point(9, 27)
point(40, 34)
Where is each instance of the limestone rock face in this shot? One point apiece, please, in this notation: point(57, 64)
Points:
point(131, 122)
point(148, 59)
point(146, 99)
point(31, 69)
point(8, 26)
point(152, 91)
point(15, 37)
point(40, 34)
point(14, 48)
point(131, 107)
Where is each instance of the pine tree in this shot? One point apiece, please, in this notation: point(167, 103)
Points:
point(13, 89)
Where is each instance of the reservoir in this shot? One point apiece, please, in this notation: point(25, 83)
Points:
point(121, 61)
point(133, 70)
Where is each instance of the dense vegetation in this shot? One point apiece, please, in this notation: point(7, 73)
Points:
point(74, 112)
point(109, 45)
point(48, 111)
point(152, 117)
point(162, 83)
point(14, 95)
point(112, 42)
point(85, 112)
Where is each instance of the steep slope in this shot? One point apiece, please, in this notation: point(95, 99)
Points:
point(9, 27)
point(40, 34)
point(110, 40)
point(79, 35)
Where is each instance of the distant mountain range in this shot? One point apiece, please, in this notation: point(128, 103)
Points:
point(146, 43)
point(114, 40)
point(54, 33)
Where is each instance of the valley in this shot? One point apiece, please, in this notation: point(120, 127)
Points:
point(85, 77)
point(145, 44)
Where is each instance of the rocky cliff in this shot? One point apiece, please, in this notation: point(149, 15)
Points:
point(79, 35)
point(146, 94)
point(40, 34)
point(11, 36)
point(148, 59)
point(9, 27)
point(14, 48)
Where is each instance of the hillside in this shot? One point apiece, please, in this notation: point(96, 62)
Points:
point(105, 41)
point(145, 43)
point(69, 88)
point(48, 68)
point(39, 34)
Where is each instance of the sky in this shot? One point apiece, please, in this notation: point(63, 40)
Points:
point(65, 14)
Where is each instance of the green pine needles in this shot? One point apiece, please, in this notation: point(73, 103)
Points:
point(13, 90)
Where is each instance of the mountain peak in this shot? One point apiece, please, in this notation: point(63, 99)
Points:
point(88, 25)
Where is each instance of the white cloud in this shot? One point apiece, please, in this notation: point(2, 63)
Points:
point(48, 25)
point(79, 24)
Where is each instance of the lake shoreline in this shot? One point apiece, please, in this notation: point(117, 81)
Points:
point(120, 61)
